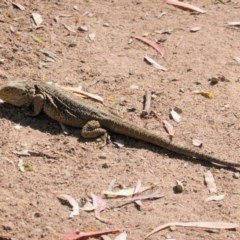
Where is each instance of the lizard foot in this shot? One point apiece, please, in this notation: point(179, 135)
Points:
point(93, 129)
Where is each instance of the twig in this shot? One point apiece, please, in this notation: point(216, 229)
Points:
point(152, 196)
point(27, 153)
point(147, 104)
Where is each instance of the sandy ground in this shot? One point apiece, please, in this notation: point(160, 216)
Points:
point(105, 60)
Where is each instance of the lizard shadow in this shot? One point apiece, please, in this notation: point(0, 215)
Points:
point(18, 116)
point(131, 143)
point(41, 123)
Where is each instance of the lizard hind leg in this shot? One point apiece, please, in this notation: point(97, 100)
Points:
point(93, 129)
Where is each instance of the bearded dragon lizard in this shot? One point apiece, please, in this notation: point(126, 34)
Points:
point(65, 108)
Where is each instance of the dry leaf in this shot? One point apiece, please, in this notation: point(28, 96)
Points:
point(51, 55)
point(236, 24)
point(92, 36)
point(37, 19)
point(206, 94)
point(12, 29)
point(38, 40)
point(72, 202)
point(83, 28)
point(24, 152)
point(88, 207)
point(185, 6)
point(197, 143)
point(99, 205)
point(121, 236)
point(195, 29)
point(237, 59)
point(157, 46)
point(175, 116)
point(18, 5)
point(70, 28)
point(215, 198)
point(169, 127)
point(24, 166)
point(118, 142)
point(128, 191)
point(111, 184)
point(105, 237)
point(136, 193)
point(207, 225)
point(210, 182)
point(86, 94)
point(154, 63)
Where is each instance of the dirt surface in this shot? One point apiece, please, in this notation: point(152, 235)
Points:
point(104, 60)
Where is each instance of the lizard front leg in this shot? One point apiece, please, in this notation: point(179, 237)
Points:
point(93, 129)
point(36, 105)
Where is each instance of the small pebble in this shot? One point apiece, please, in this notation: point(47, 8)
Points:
point(236, 175)
point(8, 226)
point(105, 165)
point(106, 24)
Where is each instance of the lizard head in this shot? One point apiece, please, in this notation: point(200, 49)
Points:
point(15, 93)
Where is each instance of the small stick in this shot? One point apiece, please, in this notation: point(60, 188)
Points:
point(147, 104)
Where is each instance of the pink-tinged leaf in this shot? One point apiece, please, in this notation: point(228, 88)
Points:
point(99, 205)
point(186, 6)
point(157, 46)
point(207, 225)
point(136, 193)
point(85, 235)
